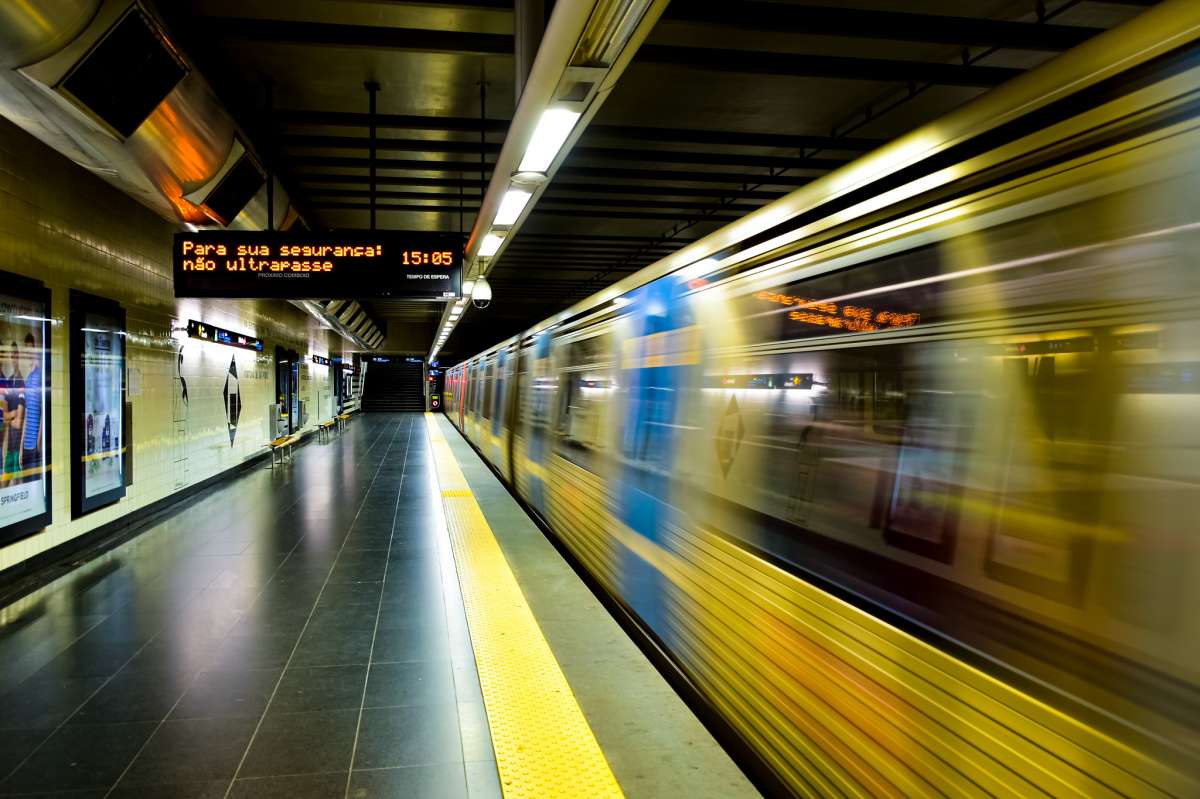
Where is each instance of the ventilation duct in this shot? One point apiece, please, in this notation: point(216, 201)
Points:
point(102, 82)
point(229, 191)
point(348, 319)
point(120, 77)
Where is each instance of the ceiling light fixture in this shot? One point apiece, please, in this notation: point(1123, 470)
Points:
point(548, 137)
point(511, 206)
point(490, 244)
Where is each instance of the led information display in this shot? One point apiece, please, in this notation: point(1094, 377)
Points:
point(220, 335)
point(351, 264)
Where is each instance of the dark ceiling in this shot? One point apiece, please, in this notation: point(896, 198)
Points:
point(728, 105)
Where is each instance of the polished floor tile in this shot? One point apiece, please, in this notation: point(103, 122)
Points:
point(46, 702)
point(411, 683)
point(191, 751)
point(235, 693)
point(440, 781)
point(301, 786)
point(252, 643)
point(302, 743)
point(133, 696)
point(79, 757)
point(409, 736)
point(320, 688)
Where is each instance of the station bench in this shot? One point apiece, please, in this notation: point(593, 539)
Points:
point(282, 447)
point(325, 428)
point(342, 418)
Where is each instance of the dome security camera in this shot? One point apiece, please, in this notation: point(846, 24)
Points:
point(481, 293)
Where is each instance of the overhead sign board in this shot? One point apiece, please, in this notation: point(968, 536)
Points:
point(345, 265)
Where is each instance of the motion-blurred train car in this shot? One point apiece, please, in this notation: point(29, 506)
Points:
point(902, 471)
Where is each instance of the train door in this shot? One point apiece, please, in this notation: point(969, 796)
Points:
point(500, 380)
point(659, 359)
point(512, 413)
point(541, 399)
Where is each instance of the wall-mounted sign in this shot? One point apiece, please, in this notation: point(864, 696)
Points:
point(98, 435)
point(219, 335)
point(349, 264)
point(321, 360)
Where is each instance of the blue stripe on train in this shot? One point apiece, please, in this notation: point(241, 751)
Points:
point(649, 410)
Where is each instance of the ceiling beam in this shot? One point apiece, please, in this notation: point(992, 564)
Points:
point(668, 175)
point(472, 185)
point(884, 70)
point(871, 24)
point(592, 172)
point(429, 208)
point(610, 154)
point(605, 154)
point(373, 37)
point(599, 237)
point(409, 165)
point(730, 138)
point(354, 119)
point(347, 119)
point(721, 60)
point(388, 145)
point(588, 202)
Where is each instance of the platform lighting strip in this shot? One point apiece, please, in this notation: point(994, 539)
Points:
point(544, 745)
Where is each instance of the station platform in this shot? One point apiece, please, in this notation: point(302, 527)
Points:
point(377, 618)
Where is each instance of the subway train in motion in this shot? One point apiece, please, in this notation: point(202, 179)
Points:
point(901, 472)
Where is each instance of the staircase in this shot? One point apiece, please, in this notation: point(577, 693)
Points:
point(393, 388)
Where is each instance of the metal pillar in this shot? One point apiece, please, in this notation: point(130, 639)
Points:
point(529, 25)
point(372, 90)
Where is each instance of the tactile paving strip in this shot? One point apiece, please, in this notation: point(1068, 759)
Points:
point(544, 746)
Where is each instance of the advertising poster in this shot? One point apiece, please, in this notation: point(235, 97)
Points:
point(25, 398)
point(97, 396)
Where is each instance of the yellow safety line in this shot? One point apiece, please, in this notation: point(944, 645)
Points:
point(544, 746)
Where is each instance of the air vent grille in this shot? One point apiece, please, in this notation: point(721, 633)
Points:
point(237, 187)
point(126, 74)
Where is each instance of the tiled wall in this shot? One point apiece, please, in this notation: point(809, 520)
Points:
point(66, 227)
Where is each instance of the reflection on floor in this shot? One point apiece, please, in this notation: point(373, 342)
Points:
point(295, 632)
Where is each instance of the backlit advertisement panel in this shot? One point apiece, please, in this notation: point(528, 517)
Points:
point(25, 399)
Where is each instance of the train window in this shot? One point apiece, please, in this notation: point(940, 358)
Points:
point(585, 378)
point(489, 380)
point(521, 381)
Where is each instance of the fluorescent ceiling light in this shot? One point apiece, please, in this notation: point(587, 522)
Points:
point(490, 244)
point(467, 286)
point(552, 130)
point(511, 206)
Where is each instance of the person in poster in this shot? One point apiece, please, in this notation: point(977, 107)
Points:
point(31, 434)
point(102, 382)
point(12, 386)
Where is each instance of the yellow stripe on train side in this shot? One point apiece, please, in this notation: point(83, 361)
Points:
point(841, 702)
point(544, 746)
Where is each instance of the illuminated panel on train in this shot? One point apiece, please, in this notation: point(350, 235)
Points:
point(839, 317)
point(346, 264)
